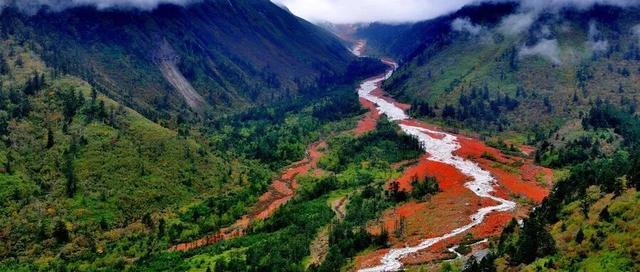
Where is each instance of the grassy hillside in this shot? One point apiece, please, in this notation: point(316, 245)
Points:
point(85, 179)
point(358, 167)
point(568, 81)
point(234, 54)
point(471, 70)
point(88, 183)
point(587, 223)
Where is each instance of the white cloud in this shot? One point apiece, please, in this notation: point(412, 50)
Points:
point(599, 46)
point(34, 5)
point(596, 42)
point(577, 4)
point(394, 11)
point(517, 23)
point(547, 49)
point(636, 30)
point(365, 11)
point(465, 25)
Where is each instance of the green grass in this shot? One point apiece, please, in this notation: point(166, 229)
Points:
point(609, 244)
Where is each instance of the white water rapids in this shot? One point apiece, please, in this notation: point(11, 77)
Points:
point(440, 150)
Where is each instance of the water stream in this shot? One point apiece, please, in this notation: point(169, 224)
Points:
point(442, 150)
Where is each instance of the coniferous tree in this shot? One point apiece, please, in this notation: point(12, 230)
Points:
point(9, 165)
point(4, 66)
point(534, 241)
point(579, 236)
point(69, 173)
point(50, 140)
point(60, 232)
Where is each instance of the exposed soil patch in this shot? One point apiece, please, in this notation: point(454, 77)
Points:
point(279, 193)
point(319, 247)
point(369, 120)
point(358, 47)
point(339, 207)
point(167, 62)
point(411, 223)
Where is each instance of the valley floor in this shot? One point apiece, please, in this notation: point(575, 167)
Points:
point(278, 194)
point(482, 189)
point(480, 185)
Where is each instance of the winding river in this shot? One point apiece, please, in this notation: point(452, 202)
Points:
point(441, 147)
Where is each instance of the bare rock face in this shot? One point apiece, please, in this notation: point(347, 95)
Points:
point(167, 60)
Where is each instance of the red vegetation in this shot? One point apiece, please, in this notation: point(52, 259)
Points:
point(448, 177)
point(412, 222)
point(492, 225)
point(279, 193)
point(518, 175)
point(474, 149)
point(369, 120)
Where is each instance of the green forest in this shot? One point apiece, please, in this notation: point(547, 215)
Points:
point(101, 186)
point(104, 166)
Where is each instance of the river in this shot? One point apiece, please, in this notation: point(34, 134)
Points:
point(441, 147)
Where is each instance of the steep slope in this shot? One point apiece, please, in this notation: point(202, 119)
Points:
point(568, 79)
point(516, 69)
point(87, 183)
point(233, 53)
point(403, 41)
point(83, 178)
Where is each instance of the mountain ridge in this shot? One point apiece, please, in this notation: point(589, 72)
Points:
point(233, 55)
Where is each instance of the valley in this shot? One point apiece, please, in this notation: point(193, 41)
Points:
point(440, 148)
point(319, 136)
point(279, 193)
point(473, 199)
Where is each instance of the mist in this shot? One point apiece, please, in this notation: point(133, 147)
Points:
point(465, 25)
point(547, 49)
point(32, 6)
point(596, 42)
point(366, 11)
point(403, 11)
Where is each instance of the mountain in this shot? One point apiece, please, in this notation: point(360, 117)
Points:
point(87, 183)
point(563, 79)
point(403, 41)
point(232, 136)
point(214, 54)
point(103, 160)
point(482, 70)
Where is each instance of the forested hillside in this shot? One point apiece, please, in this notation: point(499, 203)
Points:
point(233, 53)
point(88, 183)
point(587, 223)
point(485, 71)
point(231, 135)
point(354, 168)
point(564, 80)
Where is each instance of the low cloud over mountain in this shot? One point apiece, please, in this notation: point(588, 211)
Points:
point(364, 11)
point(31, 6)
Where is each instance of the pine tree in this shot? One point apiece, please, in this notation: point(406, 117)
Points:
point(50, 140)
point(9, 165)
point(579, 236)
point(161, 227)
point(70, 174)
point(4, 66)
point(94, 95)
point(60, 232)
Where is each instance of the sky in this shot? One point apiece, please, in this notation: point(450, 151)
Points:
point(365, 11)
point(337, 11)
point(31, 5)
point(398, 11)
